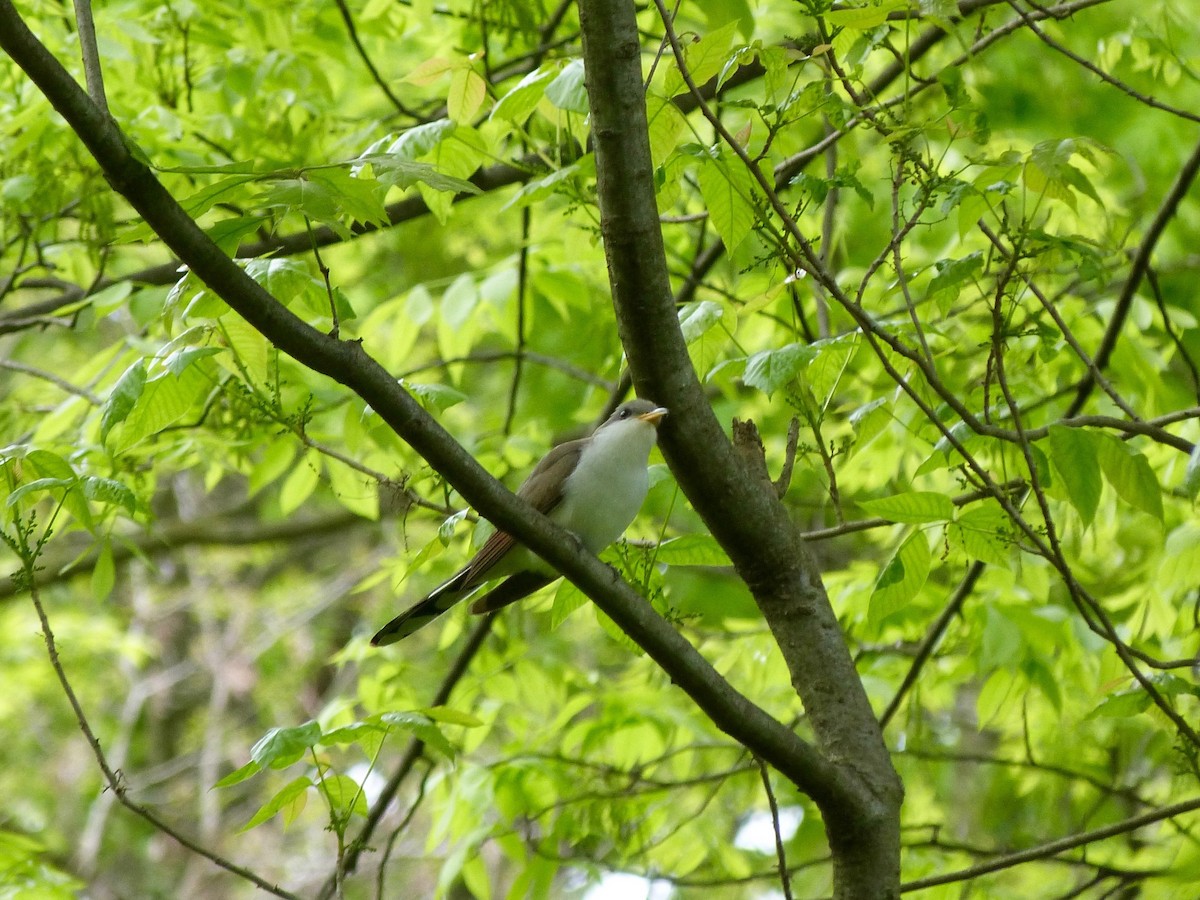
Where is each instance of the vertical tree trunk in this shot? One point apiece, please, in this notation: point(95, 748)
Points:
point(739, 507)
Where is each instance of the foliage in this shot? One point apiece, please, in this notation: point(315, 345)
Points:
point(957, 249)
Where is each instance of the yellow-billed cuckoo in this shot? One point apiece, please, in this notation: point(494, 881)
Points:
point(591, 487)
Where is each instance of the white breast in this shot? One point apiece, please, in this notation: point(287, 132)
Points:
point(604, 493)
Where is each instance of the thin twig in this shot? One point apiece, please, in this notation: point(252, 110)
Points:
point(52, 378)
point(1099, 72)
point(785, 880)
point(783, 482)
point(412, 753)
point(362, 52)
point(1053, 848)
point(112, 778)
point(932, 638)
point(514, 387)
point(1141, 262)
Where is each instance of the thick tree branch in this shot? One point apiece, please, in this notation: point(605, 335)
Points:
point(741, 510)
point(348, 364)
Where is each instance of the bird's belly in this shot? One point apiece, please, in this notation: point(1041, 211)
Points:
point(599, 504)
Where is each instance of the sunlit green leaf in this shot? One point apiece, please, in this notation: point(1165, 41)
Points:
point(1074, 452)
point(281, 800)
point(900, 579)
point(911, 506)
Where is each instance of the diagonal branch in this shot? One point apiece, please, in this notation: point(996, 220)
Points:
point(1141, 262)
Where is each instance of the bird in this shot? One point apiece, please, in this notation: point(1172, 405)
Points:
point(592, 487)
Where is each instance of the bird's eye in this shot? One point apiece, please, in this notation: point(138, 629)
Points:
point(624, 414)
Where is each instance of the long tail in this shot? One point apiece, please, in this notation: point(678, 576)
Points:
point(447, 595)
point(422, 613)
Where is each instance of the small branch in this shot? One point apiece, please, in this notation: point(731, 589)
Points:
point(541, 359)
point(932, 638)
point(1099, 72)
point(52, 378)
point(113, 779)
point(412, 753)
point(1141, 262)
point(785, 880)
point(522, 289)
point(362, 53)
point(218, 531)
point(90, 53)
point(784, 481)
point(1054, 848)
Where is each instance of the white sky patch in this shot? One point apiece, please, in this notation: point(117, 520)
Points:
point(623, 886)
point(758, 832)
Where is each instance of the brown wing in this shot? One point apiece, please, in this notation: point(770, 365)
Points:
point(543, 491)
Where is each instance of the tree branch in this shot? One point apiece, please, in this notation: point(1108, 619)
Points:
point(1141, 262)
point(1053, 848)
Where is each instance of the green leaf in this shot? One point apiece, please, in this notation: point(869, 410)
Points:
point(558, 181)
point(434, 397)
point(38, 486)
point(1074, 455)
point(771, 370)
point(451, 716)
point(567, 91)
point(1179, 570)
point(728, 191)
point(1129, 472)
point(353, 733)
point(422, 728)
point(309, 197)
point(108, 490)
point(165, 400)
point(180, 359)
point(869, 421)
point(299, 485)
point(994, 696)
point(567, 599)
point(467, 92)
point(123, 397)
point(913, 506)
point(284, 798)
point(417, 142)
point(983, 532)
point(104, 573)
point(900, 579)
point(953, 272)
point(404, 173)
point(49, 465)
point(237, 776)
point(698, 317)
point(704, 56)
point(825, 371)
point(277, 458)
point(1122, 704)
point(692, 550)
point(519, 103)
point(280, 747)
point(861, 18)
point(344, 796)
